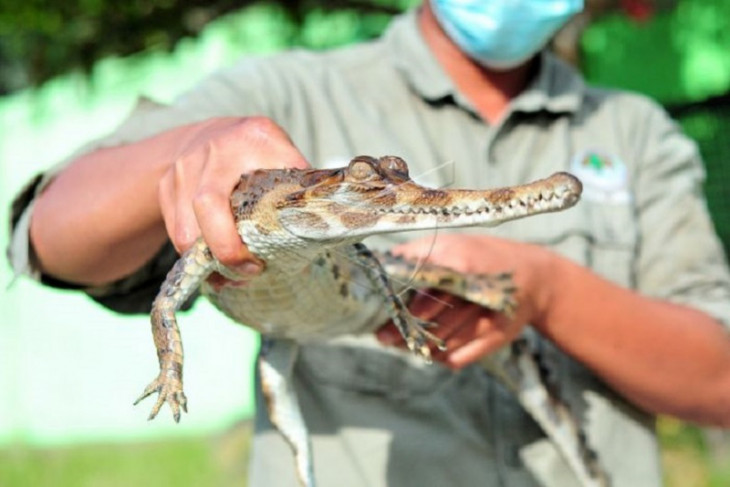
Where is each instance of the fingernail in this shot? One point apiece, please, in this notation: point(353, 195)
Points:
point(250, 268)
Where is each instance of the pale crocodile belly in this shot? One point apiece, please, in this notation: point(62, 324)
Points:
point(301, 309)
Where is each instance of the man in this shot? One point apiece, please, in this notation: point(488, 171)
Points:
point(627, 294)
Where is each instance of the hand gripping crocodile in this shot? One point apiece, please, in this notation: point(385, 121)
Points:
point(320, 281)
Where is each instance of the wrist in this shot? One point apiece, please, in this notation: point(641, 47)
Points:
point(544, 288)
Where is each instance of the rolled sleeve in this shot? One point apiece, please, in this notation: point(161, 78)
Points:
point(220, 95)
point(680, 256)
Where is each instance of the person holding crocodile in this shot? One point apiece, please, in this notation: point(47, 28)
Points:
point(627, 295)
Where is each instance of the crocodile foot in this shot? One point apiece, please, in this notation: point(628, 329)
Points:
point(418, 338)
point(169, 386)
point(493, 291)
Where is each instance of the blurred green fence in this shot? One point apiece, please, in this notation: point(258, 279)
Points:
point(708, 122)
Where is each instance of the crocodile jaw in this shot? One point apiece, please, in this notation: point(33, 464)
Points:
point(425, 209)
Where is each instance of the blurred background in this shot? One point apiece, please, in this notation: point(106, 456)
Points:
point(69, 72)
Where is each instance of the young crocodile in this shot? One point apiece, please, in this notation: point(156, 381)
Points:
point(320, 281)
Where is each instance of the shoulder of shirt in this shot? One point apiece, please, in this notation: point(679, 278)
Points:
point(303, 64)
point(623, 103)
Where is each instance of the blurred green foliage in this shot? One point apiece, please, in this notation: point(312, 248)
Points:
point(40, 39)
point(688, 459)
point(676, 56)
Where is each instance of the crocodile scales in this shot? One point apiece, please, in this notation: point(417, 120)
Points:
point(320, 281)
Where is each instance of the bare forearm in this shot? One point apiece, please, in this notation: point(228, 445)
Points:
point(667, 358)
point(99, 219)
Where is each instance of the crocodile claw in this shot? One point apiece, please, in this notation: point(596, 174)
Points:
point(170, 390)
point(418, 339)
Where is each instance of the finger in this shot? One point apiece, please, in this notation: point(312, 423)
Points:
point(166, 199)
point(217, 226)
point(452, 315)
point(471, 352)
point(456, 327)
point(186, 174)
point(217, 282)
point(428, 304)
point(466, 349)
point(460, 324)
point(389, 335)
point(212, 209)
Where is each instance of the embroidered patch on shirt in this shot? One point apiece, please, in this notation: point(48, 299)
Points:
point(605, 177)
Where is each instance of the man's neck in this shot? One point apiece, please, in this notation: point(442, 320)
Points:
point(489, 91)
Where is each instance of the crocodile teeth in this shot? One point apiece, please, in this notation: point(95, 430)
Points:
point(528, 201)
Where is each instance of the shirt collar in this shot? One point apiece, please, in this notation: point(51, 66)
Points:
point(411, 56)
point(557, 87)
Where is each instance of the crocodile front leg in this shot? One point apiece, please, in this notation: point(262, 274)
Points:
point(181, 282)
point(492, 291)
point(411, 328)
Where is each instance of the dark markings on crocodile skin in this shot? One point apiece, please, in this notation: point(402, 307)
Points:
point(262, 229)
point(446, 281)
point(322, 191)
point(175, 366)
point(253, 186)
point(432, 197)
point(384, 199)
point(336, 271)
point(501, 196)
point(239, 201)
point(312, 220)
point(352, 219)
point(315, 176)
point(344, 290)
point(293, 200)
point(333, 208)
point(406, 219)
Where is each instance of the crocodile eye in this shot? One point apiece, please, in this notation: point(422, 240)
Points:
point(360, 170)
point(394, 164)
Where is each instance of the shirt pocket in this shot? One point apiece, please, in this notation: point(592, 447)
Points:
point(601, 236)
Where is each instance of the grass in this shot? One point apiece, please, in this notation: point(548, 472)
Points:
point(221, 461)
point(182, 462)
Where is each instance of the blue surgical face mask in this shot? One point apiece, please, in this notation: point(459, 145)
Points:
point(502, 34)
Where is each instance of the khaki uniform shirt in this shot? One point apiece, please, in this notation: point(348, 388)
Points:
point(378, 417)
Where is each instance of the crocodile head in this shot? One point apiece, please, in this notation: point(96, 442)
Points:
point(375, 196)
